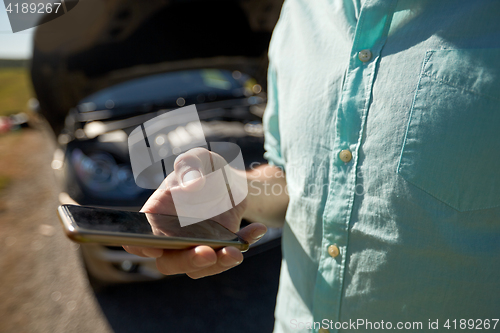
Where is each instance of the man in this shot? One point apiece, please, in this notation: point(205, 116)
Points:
point(384, 116)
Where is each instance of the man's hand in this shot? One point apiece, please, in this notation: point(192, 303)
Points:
point(189, 174)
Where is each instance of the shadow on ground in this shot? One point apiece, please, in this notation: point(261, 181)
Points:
point(240, 300)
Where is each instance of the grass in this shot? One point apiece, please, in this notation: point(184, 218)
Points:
point(15, 90)
point(4, 181)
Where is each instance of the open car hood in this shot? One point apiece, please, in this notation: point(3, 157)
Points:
point(101, 43)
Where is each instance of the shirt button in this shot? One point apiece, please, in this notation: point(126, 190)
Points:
point(365, 55)
point(333, 250)
point(345, 155)
point(323, 330)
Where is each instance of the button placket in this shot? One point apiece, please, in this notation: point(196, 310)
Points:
point(351, 114)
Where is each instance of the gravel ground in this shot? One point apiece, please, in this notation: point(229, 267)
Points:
point(42, 284)
point(43, 287)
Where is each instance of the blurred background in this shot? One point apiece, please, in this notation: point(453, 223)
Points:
point(71, 90)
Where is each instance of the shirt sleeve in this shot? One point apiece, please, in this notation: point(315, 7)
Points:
point(272, 143)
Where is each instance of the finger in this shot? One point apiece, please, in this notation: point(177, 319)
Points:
point(148, 252)
point(160, 202)
point(227, 258)
point(252, 232)
point(230, 257)
point(186, 261)
point(193, 166)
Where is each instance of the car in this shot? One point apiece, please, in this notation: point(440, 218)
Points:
point(131, 62)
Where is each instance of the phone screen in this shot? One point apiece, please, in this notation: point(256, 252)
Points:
point(108, 220)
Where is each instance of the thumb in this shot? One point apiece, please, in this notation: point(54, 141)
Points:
point(190, 169)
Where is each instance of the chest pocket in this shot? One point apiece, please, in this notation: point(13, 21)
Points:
point(452, 143)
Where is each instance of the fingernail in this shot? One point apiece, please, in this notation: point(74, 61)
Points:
point(258, 234)
point(200, 261)
point(190, 176)
point(230, 260)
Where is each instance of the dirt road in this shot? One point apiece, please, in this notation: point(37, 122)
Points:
point(42, 285)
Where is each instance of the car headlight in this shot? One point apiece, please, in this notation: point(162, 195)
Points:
point(98, 171)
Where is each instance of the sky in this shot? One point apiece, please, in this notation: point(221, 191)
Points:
point(13, 46)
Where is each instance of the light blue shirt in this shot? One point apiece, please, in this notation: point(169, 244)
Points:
point(411, 89)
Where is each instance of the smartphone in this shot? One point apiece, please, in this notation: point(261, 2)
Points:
point(116, 227)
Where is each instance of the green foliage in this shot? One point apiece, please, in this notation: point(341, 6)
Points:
point(4, 181)
point(14, 63)
point(15, 90)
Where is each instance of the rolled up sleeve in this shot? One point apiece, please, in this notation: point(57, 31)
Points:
point(272, 142)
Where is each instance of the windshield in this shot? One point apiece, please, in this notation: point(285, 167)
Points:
point(168, 89)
